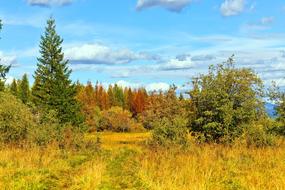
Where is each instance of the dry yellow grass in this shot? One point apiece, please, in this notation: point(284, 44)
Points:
point(48, 168)
point(124, 156)
point(120, 140)
point(214, 167)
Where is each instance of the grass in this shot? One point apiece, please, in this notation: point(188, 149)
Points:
point(125, 163)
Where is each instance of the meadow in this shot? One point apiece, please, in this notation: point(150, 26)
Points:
point(124, 161)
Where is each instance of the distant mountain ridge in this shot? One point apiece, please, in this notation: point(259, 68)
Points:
point(270, 109)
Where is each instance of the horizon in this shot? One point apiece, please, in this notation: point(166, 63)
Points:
point(147, 43)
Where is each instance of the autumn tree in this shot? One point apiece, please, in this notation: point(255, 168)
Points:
point(224, 100)
point(87, 98)
point(139, 101)
point(53, 89)
point(163, 105)
point(129, 98)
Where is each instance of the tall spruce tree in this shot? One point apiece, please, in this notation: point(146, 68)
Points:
point(3, 69)
point(14, 88)
point(24, 89)
point(53, 89)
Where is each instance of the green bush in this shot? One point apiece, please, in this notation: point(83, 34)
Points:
point(257, 136)
point(15, 119)
point(170, 132)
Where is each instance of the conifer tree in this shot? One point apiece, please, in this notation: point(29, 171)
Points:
point(53, 89)
point(111, 96)
point(14, 88)
point(24, 89)
point(118, 96)
point(3, 70)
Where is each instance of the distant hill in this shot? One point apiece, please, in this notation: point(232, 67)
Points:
point(270, 109)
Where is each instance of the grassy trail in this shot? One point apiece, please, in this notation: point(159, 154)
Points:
point(121, 172)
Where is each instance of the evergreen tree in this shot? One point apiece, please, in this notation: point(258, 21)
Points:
point(111, 96)
point(118, 96)
point(53, 88)
point(24, 89)
point(14, 88)
point(3, 70)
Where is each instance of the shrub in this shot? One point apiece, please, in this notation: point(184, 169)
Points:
point(49, 130)
point(15, 119)
point(118, 120)
point(170, 132)
point(94, 120)
point(257, 136)
point(46, 131)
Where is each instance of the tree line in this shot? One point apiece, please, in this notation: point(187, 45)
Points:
point(225, 104)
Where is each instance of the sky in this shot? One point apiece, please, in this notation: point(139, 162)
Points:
point(150, 43)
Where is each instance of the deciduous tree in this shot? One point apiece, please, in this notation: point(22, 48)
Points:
point(224, 100)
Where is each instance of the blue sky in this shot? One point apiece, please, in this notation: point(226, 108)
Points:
point(151, 43)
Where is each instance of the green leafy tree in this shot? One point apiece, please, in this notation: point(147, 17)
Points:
point(24, 89)
point(281, 109)
point(53, 90)
point(278, 97)
point(224, 100)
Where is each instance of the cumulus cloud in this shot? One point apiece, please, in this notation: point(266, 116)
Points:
point(149, 87)
point(232, 7)
point(101, 54)
point(181, 62)
point(48, 3)
point(171, 5)
point(7, 59)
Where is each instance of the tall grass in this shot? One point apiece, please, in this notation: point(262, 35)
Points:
point(214, 167)
point(49, 168)
point(126, 163)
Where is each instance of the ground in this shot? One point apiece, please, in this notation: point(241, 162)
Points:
point(125, 162)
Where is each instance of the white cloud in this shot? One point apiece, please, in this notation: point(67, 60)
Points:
point(149, 87)
point(181, 62)
point(7, 59)
point(101, 54)
point(48, 3)
point(157, 86)
point(9, 80)
point(171, 5)
point(232, 7)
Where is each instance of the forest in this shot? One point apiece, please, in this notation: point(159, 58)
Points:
point(56, 133)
